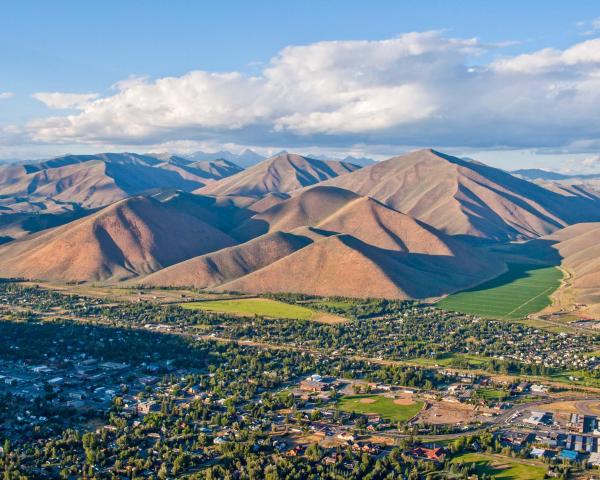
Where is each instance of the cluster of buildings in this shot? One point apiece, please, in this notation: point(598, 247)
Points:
point(79, 385)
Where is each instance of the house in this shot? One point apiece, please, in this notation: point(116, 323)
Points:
point(516, 439)
point(346, 436)
point(522, 387)
point(437, 455)
point(541, 453)
point(312, 386)
point(148, 407)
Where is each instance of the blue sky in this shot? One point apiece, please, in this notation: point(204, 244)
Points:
point(68, 47)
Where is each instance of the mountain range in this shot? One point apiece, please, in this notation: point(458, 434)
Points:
point(414, 226)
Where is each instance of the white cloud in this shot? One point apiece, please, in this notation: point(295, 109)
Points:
point(581, 165)
point(418, 89)
point(5, 95)
point(590, 27)
point(61, 101)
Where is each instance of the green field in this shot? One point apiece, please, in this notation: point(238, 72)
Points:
point(492, 394)
point(503, 468)
point(522, 290)
point(382, 406)
point(254, 306)
point(456, 360)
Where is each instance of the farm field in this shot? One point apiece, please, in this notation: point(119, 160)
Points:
point(503, 468)
point(262, 307)
point(520, 291)
point(394, 410)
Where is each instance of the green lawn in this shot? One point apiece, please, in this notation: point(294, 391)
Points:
point(522, 290)
point(254, 306)
point(456, 360)
point(492, 394)
point(503, 468)
point(382, 406)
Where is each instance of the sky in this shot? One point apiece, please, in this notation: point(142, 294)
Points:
point(513, 84)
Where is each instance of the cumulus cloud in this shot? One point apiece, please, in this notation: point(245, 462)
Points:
point(5, 95)
point(417, 89)
point(61, 101)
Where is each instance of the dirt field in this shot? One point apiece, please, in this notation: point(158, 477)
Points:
point(584, 407)
point(447, 413)
point(406, 399)
point(129, 294)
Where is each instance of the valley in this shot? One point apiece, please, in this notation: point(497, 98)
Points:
point(295, 309)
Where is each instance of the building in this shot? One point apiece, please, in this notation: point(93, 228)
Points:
point(148, 407)
point(582, 423)
point(437, 455)
point(312, 386)
point(538, 418)
point(581, 443)
point(569, 455)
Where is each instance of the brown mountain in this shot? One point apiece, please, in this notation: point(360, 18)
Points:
point(282, 173)
point(579, 249)
point(92, 181)
point(344, 265)
point(351, 245)
point(463, 197)
point(132, 237)
point(215, 268)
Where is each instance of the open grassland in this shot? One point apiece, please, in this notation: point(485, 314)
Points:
point(263, 307)
point(503, 468)
point(520, 291)
point(385, 407)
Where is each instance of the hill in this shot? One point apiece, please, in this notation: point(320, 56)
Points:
point(579, 249)
point(245, 159)
point(344, 265)
point(462, 197)
point(282, 173)
point(539, 174)
point(132, 237)
point(215, 268)
point(347, 241)
point(92, 181)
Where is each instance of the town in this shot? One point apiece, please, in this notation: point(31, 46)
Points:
point(138, 387)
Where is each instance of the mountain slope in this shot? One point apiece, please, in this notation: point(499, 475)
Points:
point(579, 248)
point(348, 241)
point(461, 197)
point(215, 268)
point(280, 174)
point(132, 237)
point(245, 159)
point(344, 265)
point(92, 181)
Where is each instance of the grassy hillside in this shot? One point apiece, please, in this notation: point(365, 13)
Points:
point(522, 290)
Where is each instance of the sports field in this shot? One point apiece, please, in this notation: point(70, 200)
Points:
point(503, 468)
point(394, 410)
point(520, 291)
